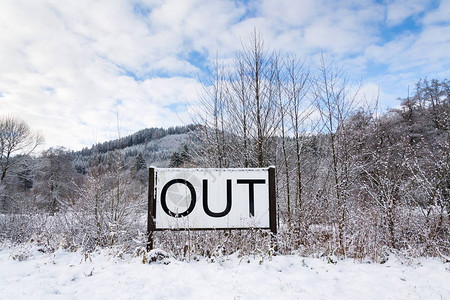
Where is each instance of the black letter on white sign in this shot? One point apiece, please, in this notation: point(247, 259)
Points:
point(251, 192)
point(205, 200)
point(164, 203)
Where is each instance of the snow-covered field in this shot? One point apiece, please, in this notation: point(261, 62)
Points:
point(30, 274)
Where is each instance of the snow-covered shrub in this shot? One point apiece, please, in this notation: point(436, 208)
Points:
point(158, 256)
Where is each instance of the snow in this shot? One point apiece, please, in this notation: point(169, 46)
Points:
point(31, 274)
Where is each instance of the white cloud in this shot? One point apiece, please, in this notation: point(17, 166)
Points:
point(291, 12)
point(339, 27)
point(426, 52)
point(65, 67)
point(399, 10)
point(439, 15)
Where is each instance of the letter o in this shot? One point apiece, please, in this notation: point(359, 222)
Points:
point(164, 203)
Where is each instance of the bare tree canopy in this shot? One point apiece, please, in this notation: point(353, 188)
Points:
point(16, 138)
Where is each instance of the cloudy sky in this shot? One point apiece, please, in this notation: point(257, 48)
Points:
point(69, 68)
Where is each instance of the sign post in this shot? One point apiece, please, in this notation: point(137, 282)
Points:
point(208, 199)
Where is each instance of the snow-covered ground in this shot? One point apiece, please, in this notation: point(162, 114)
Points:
point(30, 274)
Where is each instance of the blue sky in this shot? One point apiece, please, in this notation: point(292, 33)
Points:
point(71, 69)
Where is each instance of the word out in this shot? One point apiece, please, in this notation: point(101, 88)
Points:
point(193, 199)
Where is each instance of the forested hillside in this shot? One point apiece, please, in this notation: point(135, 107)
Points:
point(153, 145)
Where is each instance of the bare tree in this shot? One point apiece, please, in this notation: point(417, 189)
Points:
point(384, 180)
point(283, 106)
point(238, 109)
point(335, 100)
point(55, 181)
point(260, 75)
point(211, 116)
point(297, 87)
point(17, 141)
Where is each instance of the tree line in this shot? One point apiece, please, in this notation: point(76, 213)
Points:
point(89, 198)
point(141, 137)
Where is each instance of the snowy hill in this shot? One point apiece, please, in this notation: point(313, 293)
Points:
point(155, 144)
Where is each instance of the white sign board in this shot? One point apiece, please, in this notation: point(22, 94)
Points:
point(211, 199)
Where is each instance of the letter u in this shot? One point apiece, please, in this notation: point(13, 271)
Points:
point(205, 200)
